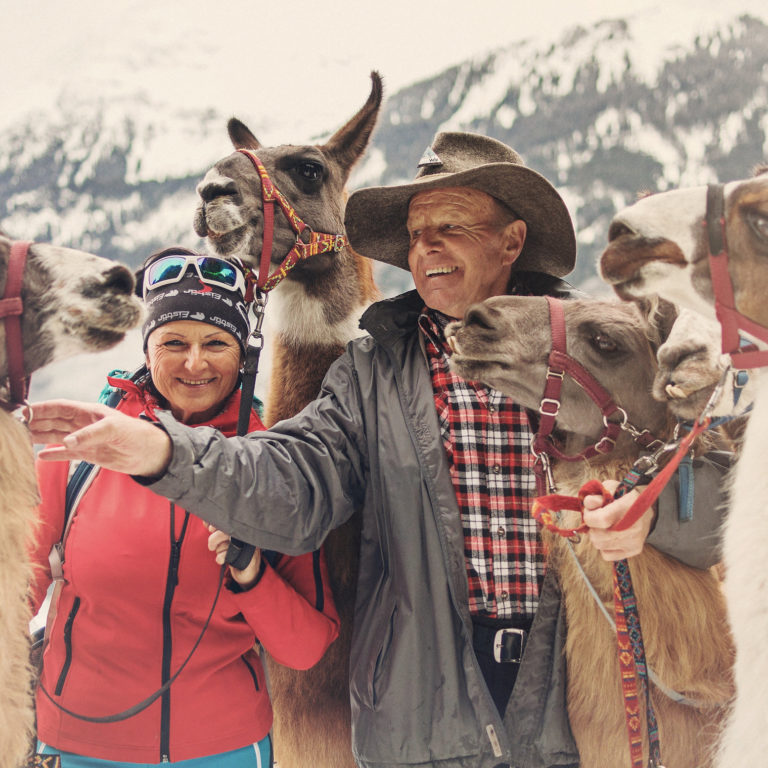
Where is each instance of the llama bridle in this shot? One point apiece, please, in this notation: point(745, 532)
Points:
point(560, 364)
point(11, 307)
point(317, 242)
point(731, 320)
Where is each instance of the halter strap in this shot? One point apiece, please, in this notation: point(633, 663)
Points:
point(11, 308)
point(561, 363)
point(731, 320)
point(318, 242)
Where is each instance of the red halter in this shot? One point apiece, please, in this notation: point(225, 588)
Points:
point(318, 242)
point(560, 364)
point(731, 320)
point(10, 311)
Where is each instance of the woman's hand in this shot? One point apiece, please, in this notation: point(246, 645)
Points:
point(616, 545)
point(218, 542)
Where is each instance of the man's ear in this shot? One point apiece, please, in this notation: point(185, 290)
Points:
point(514, 240)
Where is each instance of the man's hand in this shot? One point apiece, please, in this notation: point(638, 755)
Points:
point(615, 545)
point(101, 435)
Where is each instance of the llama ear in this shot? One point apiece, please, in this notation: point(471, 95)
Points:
point(661, 315)
point(347, 145)
point(240, 135)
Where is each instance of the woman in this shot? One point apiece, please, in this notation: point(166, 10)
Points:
point(141, 575)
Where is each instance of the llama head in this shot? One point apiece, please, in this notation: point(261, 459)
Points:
point(659, 246)
point(73, 302)
point(505, 342)
point(691, 365)
point(311, 177)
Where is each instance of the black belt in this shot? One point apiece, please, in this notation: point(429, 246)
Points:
point(504, 644)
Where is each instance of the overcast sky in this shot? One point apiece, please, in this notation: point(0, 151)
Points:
point(299, 57)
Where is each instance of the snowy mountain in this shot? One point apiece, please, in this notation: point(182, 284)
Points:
point(604, 111)
point(599, 112)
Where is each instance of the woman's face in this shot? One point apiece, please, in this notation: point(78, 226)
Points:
point(194, 366)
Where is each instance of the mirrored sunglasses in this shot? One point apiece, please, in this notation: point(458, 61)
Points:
point(210, 269)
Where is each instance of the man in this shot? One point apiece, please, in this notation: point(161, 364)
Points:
point(450, 561)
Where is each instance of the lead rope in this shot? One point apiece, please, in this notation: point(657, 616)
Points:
point(239, 553)
point(631, 650)
point(629, 636)
point(142, 705)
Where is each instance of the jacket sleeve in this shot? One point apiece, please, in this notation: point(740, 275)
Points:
point(282, 489)
point(52, 484)
point(695, 541)
point(291, 610)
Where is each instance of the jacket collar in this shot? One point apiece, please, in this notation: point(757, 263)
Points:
point(398, 316)
point(140, 399)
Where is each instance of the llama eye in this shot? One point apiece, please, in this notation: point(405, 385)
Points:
point(604, 344)
point(310, 171)
point(759, 223)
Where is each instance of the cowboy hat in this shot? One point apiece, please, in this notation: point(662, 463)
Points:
point(375, 217)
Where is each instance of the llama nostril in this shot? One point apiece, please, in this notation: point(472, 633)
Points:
point(120, 280)
point(214, 189)
point(480, 315)
point(617, 229)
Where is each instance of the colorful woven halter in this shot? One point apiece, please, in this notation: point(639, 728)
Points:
point(318, 242)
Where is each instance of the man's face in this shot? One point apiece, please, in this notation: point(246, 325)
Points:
point(461, 251)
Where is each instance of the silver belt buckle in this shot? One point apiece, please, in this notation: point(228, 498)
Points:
point(508, 646)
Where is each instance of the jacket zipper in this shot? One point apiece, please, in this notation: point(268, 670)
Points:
point(170, 587)
point(67, 646)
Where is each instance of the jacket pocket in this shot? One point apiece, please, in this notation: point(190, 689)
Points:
point(382, 666)
point(67, 646)
point(254, 676)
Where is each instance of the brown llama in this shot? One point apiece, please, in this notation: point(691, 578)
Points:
point(661, 246)
point(71, 302)
point(681, 608)
point(314, 313)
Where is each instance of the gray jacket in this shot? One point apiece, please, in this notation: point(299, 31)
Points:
point(372, 438)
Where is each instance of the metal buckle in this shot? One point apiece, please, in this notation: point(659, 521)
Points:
point(549, 401)
point(508, 646)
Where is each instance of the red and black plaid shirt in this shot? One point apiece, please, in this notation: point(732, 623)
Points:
point(487, 438)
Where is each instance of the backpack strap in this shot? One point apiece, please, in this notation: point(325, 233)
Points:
point(81, 475)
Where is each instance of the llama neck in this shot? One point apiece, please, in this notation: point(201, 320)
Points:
point(317, 319)
point(298, 371)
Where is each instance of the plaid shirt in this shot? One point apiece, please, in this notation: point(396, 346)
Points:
point(487, 438)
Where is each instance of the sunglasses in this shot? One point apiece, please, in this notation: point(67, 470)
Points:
point(210, 270)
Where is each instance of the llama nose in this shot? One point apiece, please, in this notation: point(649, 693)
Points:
point(119, 280)
point(210, 190)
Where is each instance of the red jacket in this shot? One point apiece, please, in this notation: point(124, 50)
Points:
point(130, 611)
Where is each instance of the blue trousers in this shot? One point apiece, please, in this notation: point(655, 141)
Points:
point(254, 756)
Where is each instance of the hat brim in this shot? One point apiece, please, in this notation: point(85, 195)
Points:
point(375, 217)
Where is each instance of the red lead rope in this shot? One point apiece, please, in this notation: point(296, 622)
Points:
point(631, 651)
point(544, 506)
